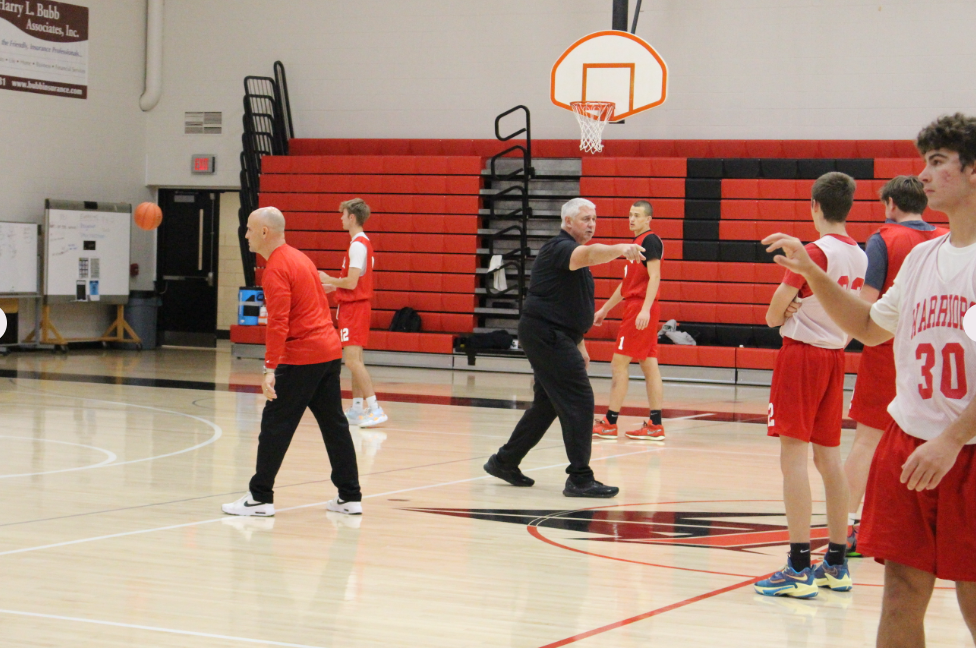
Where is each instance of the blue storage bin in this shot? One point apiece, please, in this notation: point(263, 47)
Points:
point(249, 305)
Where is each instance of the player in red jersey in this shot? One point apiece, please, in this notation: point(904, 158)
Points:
point(806, 400)
point(354, 290)
point(919, 517)
point(904, 200)
point(637, 339)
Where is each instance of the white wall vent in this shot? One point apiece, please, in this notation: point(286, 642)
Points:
point(203, 123)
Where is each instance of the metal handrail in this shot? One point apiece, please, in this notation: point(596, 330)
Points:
point(493, 237)
point(523, 212)
point(267, 106)
point(527, 129)
point(279, 72)
point(267, 130)
point(490, 290)
point(516, 258)
point(518, 173)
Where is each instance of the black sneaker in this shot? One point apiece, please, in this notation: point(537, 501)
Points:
point(513, 476)
point(590, 489)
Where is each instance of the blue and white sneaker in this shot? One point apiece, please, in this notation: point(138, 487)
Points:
point(852, 551)
point(373, 417)
point(836, 577)
point(354, 416)
point(789, 582)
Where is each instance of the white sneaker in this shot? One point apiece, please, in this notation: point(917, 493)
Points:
point(349, 508)
point(373, 417)
point(354, 415)
point(247, 506)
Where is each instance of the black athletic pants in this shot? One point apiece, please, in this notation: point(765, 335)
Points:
point(316, 387)
point(562, 389)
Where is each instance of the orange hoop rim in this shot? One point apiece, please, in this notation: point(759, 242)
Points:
point(583, 107)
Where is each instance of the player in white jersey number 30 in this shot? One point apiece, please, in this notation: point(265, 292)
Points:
point(920, 507)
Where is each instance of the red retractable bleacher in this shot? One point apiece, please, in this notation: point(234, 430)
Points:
point(423, 228)
point(424, 195)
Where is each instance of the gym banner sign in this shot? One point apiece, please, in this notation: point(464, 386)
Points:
point(44, 48)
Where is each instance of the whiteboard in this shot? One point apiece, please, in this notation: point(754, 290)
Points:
point(86, 251)
point(18, 258)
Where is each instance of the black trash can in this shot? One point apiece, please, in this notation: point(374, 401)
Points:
point(141, 313)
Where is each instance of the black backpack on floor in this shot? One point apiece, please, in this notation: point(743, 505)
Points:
point(406, 320)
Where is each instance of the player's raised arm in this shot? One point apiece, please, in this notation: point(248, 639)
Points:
point(846, 309)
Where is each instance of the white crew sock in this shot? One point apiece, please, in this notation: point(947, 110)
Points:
point(852, 519)
point(357, 404)
point(371, 403)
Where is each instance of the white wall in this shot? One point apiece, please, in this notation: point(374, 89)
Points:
point(82, 149)
point(831, 69)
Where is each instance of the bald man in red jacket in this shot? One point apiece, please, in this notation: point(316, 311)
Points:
point(301, 370)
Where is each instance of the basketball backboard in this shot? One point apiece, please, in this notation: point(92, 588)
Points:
point(613, 66)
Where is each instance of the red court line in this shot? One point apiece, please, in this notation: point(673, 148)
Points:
point(534, 531)
point(647, 615)
point(760, 538)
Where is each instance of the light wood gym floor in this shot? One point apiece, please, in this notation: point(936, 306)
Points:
point(113, 466)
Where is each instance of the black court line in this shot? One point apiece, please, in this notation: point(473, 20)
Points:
point(395, 397)
point(120, 380)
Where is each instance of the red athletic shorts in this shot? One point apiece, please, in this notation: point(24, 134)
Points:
point(806, 401)
point(932, 530)
point(875, 387)
point(634, 343)
point(354, 322)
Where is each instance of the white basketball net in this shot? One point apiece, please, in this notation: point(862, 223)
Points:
point(592, 117)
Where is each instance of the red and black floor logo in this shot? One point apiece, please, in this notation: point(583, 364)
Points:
point(734, 531)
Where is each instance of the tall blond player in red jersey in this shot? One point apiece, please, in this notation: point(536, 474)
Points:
point(806, 400)
point(919, 517)
point(637, 338)
point(904, 201)
point(354, 292)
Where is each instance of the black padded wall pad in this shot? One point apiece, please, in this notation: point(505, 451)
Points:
point(703, 189)
point(704, 168)
point(703, 209)
point(742, 168)
point(700, 230)
point(700, 251)
point(813, 169)
point(741, 251)
point(857, 169)
point(780, 169)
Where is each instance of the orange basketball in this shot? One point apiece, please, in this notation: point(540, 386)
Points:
point(148, 216)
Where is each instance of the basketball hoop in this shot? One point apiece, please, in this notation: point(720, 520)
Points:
point(592, 117)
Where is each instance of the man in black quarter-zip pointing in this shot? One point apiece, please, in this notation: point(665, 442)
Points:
point(558, 310)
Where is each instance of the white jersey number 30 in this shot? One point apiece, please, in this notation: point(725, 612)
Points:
point(952, 382)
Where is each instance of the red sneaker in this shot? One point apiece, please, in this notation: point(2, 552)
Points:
point(604, 430)
point(648, 432)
